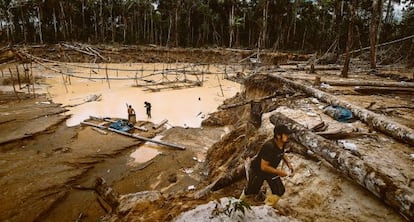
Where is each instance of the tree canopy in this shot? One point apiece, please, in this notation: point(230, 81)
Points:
point(274, 24)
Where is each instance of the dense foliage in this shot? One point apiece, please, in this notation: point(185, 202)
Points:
point(278, 24)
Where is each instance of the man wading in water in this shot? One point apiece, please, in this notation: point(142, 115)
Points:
point(264, 167)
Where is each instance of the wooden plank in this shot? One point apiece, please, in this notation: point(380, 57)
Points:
point(135, 136)
point(148, 139)
point(160, 124)
point(100, 131)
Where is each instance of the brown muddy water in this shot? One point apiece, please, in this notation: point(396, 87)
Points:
point(183, 108)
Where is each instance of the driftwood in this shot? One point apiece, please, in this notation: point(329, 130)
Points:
point(396, 195)
point(377, 121)
point(383, 90)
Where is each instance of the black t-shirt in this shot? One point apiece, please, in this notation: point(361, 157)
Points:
point(269, 152)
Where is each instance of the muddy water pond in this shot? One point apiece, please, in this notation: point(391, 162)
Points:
point(139, 167)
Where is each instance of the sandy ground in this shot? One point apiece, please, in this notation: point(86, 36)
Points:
point(63, 155)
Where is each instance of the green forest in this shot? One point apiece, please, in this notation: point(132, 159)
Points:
point(294, 25)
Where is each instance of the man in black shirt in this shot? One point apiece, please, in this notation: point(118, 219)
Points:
point(264, 167)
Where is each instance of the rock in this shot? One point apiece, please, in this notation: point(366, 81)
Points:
point(224, 210)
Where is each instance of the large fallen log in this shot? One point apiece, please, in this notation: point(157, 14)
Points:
point(378, 122)
point(383, 90)
point(395, 194)
point(349, 82)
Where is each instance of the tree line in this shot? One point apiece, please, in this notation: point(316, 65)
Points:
point(303, 25)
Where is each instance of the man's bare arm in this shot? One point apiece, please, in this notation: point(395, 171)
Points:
point(265, 167)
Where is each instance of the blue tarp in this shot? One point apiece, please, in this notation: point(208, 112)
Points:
point(339, 113)
point(120, 125)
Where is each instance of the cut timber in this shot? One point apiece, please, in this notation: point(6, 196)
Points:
point(378, 122)
point(160, 124)
point(395, 194)
point(147, 139)
point(135, 136)
point(383, 90)
point(100, 131)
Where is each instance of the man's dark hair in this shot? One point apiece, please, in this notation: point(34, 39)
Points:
point(280, 129)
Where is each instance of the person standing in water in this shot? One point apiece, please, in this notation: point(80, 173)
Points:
point(148, 107)
point(131, 114)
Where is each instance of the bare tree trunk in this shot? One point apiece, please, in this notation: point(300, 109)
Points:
point(169, 30)
point(231, 26)
point(189, 33)
point(23, 25)
point(125, 21)
point(102, 23)
point(388, 13)
point(152, 33)
point(262, 42)
point(352, 6)
point(394, 193)
point(293, 21)
point(83, 14)
point(112, 22)
point(378, 122)
point(338, 20)
point(55, 23)
point(373, 34)
point(95, 18)
point(63, 21)
point(176, 23)
point(39, 16)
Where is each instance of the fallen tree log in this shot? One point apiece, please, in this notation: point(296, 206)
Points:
point(357, 82)
point(378, 122)
point(383, 90)
point(396, 195)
